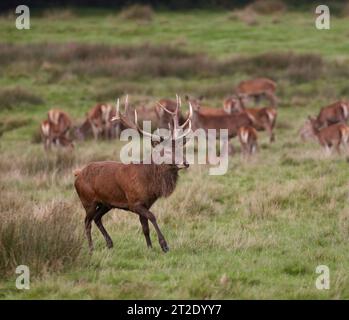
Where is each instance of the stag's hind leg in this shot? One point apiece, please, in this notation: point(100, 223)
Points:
point(90, 213)
point(145, 228)
point(101, 211)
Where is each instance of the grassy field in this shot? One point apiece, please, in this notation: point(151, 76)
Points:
point(258, 231)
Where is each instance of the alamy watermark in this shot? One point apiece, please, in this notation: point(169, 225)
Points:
point(23, 20)
point(322, 21)
point(23, 280)
point(181, 151)
point(323, 280)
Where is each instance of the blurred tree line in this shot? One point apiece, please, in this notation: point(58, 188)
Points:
point(161, 4)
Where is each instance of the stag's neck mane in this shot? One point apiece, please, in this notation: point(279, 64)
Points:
point(163, 179)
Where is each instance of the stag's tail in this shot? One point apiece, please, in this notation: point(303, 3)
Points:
point(76, 172)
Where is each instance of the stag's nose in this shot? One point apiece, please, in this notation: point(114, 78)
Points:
point(184, 165)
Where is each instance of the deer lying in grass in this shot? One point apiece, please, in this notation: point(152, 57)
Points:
point(258, 88)
point(334, 135)
point(334, 113)
point(263, 119)
point(55, 130)
point(248, 139)
point(102, 186)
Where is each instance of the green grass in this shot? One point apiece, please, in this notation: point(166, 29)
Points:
point(259, 231)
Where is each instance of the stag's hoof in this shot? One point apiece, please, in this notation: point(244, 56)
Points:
point(164, 246)
point(110, 245)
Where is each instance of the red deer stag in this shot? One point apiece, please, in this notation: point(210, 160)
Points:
point(248, 139)
point(334, 113)
point(102, 186)
point(55, 130)
point(258, 88)
point(263, 119)
point(334, 135)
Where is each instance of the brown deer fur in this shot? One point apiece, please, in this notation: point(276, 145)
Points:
point(50, 137)
point(257, 88)
point(248, 139)
point(334, 113)
point(334, 135)
point(220, 120)
point(262, 118)
point(99, 118)
point(55, 130)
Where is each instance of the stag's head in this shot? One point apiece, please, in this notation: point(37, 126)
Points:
point(167, 144)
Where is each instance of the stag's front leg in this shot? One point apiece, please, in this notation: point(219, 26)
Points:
point(142, 211)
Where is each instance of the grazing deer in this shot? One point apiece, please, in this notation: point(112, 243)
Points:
point(263, 119)
point(99, 118)
point(334, 113)
point(50, 137)
point(248, 139)
point(55, 130)
point(334, 135)
point(102, 186)
point(60, 121)
point(258, 88)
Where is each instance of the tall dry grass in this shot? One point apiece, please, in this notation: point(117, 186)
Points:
point(46, 238)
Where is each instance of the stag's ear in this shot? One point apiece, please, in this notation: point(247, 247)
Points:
point(186, 97)
point(201, 98)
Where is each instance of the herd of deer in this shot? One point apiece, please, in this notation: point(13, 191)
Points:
point(102, 186)
point(57, 129)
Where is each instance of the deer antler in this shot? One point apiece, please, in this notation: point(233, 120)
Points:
point(189, 117)
point(126, 104)
point(188, 121)
point(172, 113)
point(145, 133)
point(117, 111)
